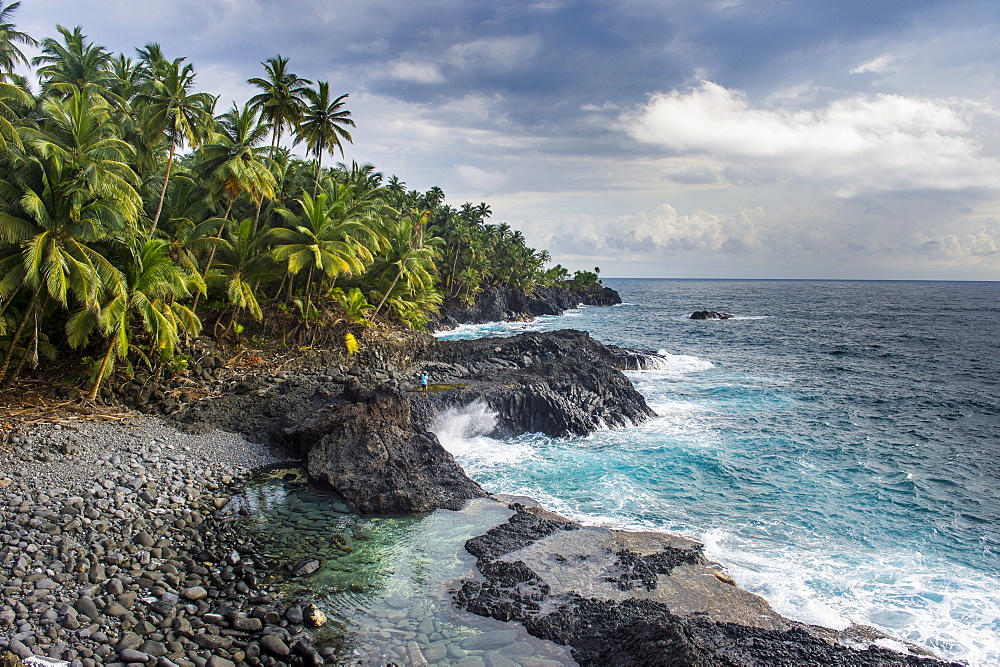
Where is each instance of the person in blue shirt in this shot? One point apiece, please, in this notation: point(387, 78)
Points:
point(423, 381)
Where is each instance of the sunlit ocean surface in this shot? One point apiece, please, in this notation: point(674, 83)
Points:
point(835, 446)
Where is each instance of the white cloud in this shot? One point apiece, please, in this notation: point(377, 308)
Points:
point(875, 66)
point(417, 72)
point(853, 145)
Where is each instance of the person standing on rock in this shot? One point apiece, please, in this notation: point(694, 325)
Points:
point(423, 382)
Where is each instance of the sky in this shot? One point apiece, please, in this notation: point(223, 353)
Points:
point(849, 139)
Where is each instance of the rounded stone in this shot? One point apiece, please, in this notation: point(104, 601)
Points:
point(194, 593)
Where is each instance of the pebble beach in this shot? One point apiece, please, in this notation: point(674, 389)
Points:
point(117, 547)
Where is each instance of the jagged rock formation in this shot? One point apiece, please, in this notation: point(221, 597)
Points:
point(369, 451)
point(559, 383)
point(360, 432)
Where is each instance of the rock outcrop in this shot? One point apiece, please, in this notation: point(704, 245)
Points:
point(362, 433)
point(624, 598)
point(709, 315)
point(559, 383)
point(502, 304)
point(369, 451)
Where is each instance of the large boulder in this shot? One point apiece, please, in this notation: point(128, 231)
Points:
point(369, 451)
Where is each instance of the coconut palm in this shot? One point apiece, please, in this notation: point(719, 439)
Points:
point(176, 115)
point(74, 188)
point(147, 293)
point(10, 54)
point(322, 124)
point(326, 235)
point(280, 99)
point(245, 263)
point(234, 164)
point(73, 64)
point(14, 103)
point(408, 261)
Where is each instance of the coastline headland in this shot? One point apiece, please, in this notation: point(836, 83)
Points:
point(118, 544)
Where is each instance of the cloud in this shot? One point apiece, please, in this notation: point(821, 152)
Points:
point(876, 66)
point(417, 72)
point(497, 52)
point(854, 144)
point(480, 179)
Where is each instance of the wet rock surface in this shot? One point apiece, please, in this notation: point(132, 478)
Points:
point(371, 453)
point(710, 315)
point(559, 383)
point(124, 552)
point(620, 598)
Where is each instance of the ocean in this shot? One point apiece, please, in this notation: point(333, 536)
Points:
point(835, 445)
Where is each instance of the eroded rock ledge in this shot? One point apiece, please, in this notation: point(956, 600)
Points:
point(560, 383)
point(624, 598)
point(366, 433)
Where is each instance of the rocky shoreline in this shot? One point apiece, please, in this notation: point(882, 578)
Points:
point(505, 304)
point(631, 598)
point(119, 545)
point(116, 548)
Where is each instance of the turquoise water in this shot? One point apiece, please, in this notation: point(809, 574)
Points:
point(835, 446)
point(385, 582)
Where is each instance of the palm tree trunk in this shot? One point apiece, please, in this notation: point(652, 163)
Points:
point(17, 332)
point(305, 311)
point(163, 191)
point(208, 267)
point(319, 170)
point(7, 381)
point(454, 265)
point(92, 394)
point(385, 296)
point(211, 254)
point(274, 139)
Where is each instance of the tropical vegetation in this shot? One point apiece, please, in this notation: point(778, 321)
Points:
point(132, 212)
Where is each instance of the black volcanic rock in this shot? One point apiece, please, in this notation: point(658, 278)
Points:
point(558, 383)
point(370, 452)
point(623, 598)
point(501, 304)
point(709, 315)
point(370, 441)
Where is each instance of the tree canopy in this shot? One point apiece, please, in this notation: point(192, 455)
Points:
point(130, 209)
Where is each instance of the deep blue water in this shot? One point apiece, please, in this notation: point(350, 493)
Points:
point(835, 446)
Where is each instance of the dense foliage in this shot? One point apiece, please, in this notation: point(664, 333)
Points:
point(129, 207)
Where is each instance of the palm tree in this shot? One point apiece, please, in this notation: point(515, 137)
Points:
point(73, 65)
point(174, 113)
point(14, 103)
point(74, 188)
point(324, 235)
point(234, 164)
point(322, 125)
point(280, 101)
point(147, 292)
point(407, 259)
point(245, 262)
point(10, 55)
